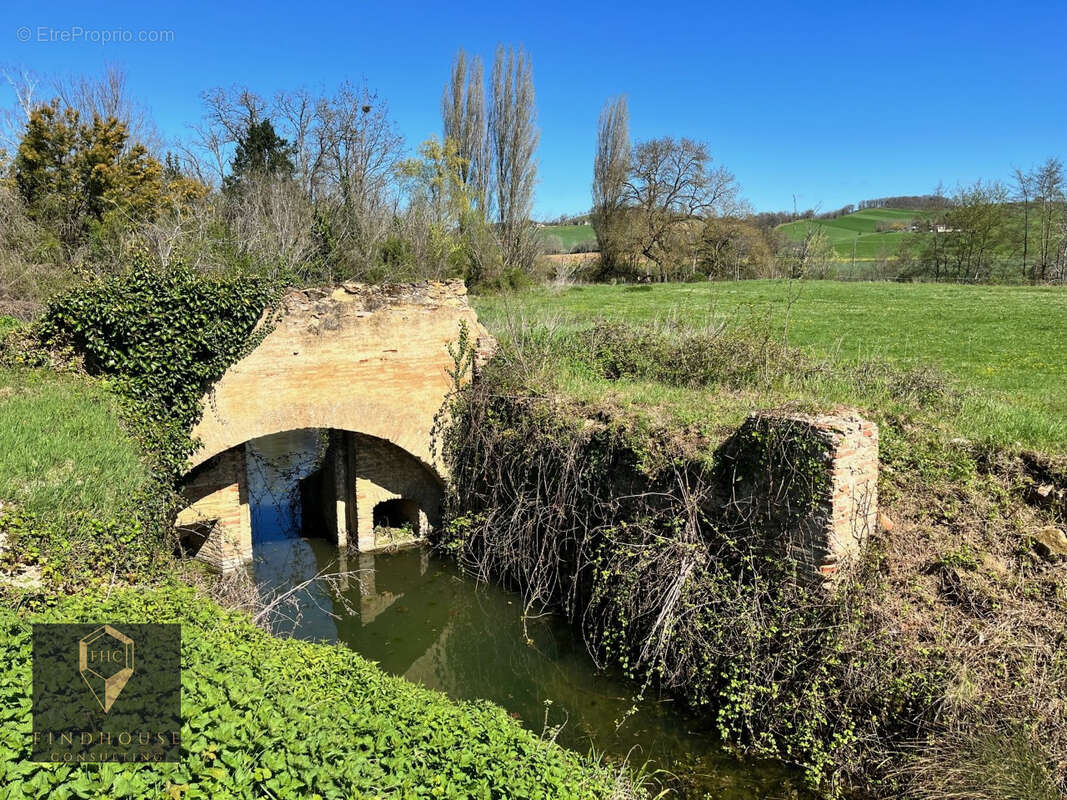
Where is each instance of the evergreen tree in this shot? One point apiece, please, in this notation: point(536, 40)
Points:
point(71, 173)
point(260, 152)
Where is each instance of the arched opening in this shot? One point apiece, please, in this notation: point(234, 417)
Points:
point(355, 490)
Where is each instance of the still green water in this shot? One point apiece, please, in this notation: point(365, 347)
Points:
point(419, 617)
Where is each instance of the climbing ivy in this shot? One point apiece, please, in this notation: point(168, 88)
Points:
point(159, 339)
point(164, 336)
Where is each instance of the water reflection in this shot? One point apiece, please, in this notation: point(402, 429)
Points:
point(418, 617)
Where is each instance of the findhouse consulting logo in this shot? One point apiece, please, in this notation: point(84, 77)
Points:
point(105, 661)
point(94, 701)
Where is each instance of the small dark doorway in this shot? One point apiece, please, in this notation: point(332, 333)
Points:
point(312, 503)
point(397, 513)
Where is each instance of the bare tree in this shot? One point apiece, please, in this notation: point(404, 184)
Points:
point(108, 95)
point(1023, 194)
point(345, 149)
point(672, 185)
point(514, 136)
point(228, 114)
point(1048, 185)
point(297, 111)
point(611, 169)
point(463, 114)
point(272, 223)
point(360, 148)
point(13, 121)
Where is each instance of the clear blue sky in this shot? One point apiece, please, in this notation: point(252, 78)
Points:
point(833, 102)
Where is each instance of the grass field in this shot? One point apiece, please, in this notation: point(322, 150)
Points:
point(62, 449)
point(571, 235)
point(858, 232)
point(1005, 346)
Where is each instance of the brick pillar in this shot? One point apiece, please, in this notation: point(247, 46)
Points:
point(364, 523)
point(338, 489)
point(363, 497)
point(854, 491)
point(802, 487)
point(217, 495)
point(343, 485)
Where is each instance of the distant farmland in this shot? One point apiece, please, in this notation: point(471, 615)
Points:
point(858, 230)
point(857, 234)
point(852, 236)
point(571, 235)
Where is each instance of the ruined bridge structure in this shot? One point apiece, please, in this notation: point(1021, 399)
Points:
point(366, 369)
point(362, 372)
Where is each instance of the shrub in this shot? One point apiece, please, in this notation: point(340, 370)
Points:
point(164, 336)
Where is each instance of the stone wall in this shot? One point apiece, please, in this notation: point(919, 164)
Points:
point(368, 363)
point(807, 486)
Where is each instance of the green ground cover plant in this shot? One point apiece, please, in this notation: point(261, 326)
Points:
point(265, 717)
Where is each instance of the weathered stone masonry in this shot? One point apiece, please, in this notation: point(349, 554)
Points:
point(217, 519)
point(368, 363)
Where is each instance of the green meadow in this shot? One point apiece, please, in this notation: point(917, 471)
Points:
point(571, 235)
point(61, 450)
point(1003, 347)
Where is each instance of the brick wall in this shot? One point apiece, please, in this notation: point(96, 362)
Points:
point(217, 522)
point(853, 445)
point(385, 472)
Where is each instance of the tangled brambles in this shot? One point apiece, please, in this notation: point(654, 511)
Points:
point(948, 636)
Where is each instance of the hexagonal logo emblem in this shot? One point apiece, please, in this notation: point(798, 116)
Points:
point(93, 701)
point(105, 661)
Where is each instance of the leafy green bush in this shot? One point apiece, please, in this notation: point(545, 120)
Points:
point(164, 336)
point(281, 718)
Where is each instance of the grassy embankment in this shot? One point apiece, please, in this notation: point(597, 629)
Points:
point(61, 450)
point(942, 673)
point(262, 717)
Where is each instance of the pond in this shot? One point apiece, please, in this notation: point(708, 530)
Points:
point(419, 617)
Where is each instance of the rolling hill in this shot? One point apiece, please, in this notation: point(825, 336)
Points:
point(858, 235)
point(571, 235)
